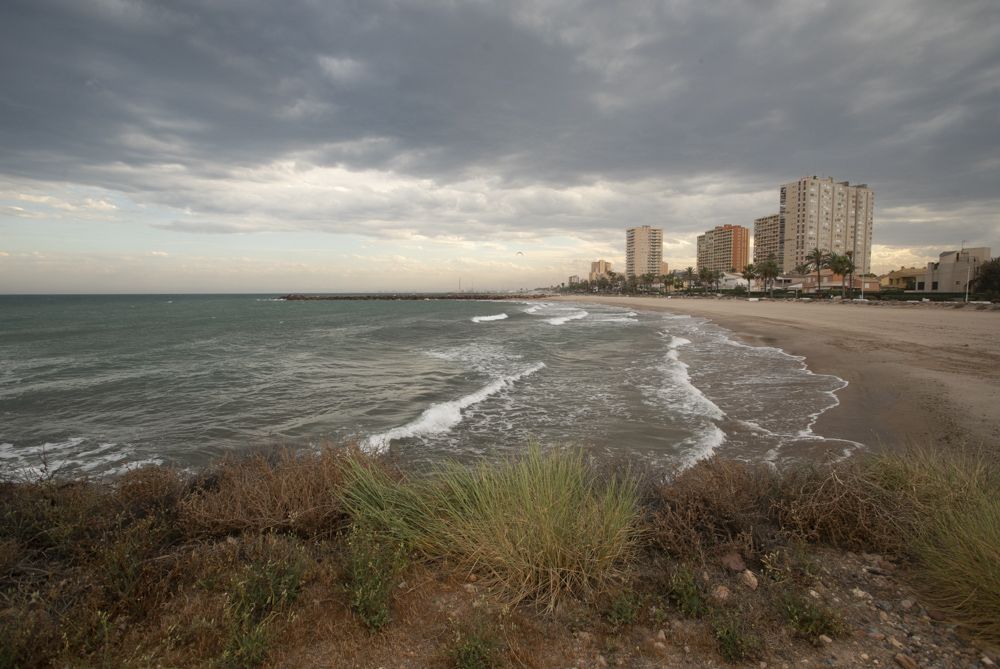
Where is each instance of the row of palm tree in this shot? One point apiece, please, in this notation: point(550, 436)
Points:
point(842, 264)
point(768, 270)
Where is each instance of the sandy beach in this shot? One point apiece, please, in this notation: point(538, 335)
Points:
point(917, 373)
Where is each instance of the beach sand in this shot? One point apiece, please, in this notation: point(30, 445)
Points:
point(917, 373)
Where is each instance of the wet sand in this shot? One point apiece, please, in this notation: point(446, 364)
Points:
point(916, 372)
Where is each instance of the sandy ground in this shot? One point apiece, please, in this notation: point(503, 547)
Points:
point(917, 373)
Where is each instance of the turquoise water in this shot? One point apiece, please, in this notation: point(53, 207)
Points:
point(98, 384)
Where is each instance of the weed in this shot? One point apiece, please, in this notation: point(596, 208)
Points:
point(256, 594)
point(374, 563)
point(809, 620)
point(624, 609)
point(475, 650)
point(684, 593)
point(736, 639)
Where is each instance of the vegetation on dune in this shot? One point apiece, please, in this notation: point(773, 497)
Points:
point(226, 568)
point(537, 527)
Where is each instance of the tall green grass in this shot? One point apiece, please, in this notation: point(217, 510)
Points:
point(536, 527)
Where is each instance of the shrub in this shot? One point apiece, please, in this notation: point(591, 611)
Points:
point(286, 491)
point(538, 527)
point(716, 504)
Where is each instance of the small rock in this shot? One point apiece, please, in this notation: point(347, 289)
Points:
point(661, 636)
point(660, 646)
point(936, 615)
point(472, 578)
point(986, 661)
point(748, 579)
point(814, 594)
point(896, 643)
point(906, 662)
point(860, 594)
point(585, 637)
point(864, 656)
point(906, 604)
point(468, 587)
point(721, 593)
point(601, 661)
point(825, 639)
point(733, 562)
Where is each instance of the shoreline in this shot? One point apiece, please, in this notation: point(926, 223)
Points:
point(915, 375)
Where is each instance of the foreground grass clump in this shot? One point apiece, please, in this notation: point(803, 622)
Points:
point(538, 527)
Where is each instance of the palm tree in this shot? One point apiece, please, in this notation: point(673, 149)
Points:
point(749, 273)
point(690, 275)
point(835, 263)
point(768, 270)
point(818, 259)
point(802, 269)
point(851, 267)
point(716, 277)
point(704, 278)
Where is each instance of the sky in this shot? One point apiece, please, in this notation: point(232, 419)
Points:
point(370, 145)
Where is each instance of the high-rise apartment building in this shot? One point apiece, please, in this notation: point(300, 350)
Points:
point(834, 216)
point(768, 240)
point(724, 248)
point(599, 268)
point(643, 251)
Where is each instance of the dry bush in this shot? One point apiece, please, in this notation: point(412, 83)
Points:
point(880, 503)
point(149, 491)
point(713, 506)
point(847, 505)
point(291, 491)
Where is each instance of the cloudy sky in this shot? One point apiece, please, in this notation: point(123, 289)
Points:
point(307, 145)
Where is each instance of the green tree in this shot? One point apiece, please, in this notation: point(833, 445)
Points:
point(749, 273)
point(769, 271)
point(836, 263)
point(690, 276)
point(818, 259)
point(988, 277)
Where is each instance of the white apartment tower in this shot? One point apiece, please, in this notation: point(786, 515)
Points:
point(643, 251)
point(834, 216)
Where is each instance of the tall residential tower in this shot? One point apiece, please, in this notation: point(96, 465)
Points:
point(768, 240)
point(724, 248)
point(643, 251)
point(834, 216)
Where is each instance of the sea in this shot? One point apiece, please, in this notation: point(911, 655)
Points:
point(98, 385)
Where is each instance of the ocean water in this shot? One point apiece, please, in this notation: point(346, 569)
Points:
point(99, 384)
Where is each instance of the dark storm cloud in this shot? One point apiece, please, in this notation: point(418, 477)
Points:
point(161, 98)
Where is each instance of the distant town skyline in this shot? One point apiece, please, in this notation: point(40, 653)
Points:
point(254, 147)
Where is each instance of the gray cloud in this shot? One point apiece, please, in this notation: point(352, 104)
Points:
point(493, 117)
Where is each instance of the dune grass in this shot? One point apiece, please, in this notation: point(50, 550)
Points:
point(536, 527)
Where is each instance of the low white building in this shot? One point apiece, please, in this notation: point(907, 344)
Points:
point(953, 271)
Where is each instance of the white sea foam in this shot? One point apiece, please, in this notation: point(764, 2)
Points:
point(533, 309)
point(441, 418)
point(702, 445)
point(562, 320)
point(483, 319)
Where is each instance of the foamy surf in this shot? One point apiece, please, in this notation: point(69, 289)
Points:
point(562, 320)
point(484, 319)
point(441, 418)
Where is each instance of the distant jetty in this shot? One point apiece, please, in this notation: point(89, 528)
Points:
point(295, 297)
